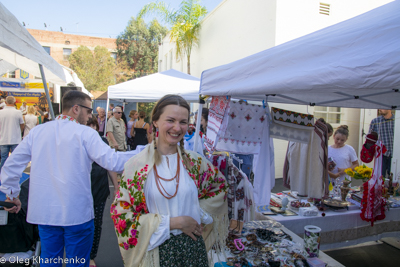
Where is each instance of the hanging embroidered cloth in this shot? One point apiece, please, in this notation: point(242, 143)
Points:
point(291, 126)
point(219, 107)
point(240, 195)
point(244, 127)
point(373, 203)
point(305, 167)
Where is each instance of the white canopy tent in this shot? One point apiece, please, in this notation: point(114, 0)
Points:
point(19, 49)
point(355, 64)
point(152, 87)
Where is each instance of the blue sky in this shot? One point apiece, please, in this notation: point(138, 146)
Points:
point(85, 17)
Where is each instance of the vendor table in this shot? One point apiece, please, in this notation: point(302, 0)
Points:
point(342, 228)
point(322, 256)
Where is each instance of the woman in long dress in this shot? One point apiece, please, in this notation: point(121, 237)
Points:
point(30, 120)
point(170, 209)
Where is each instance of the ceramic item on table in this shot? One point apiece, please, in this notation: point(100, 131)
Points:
point(312, 240)
point(344, 190)
point(285, 202)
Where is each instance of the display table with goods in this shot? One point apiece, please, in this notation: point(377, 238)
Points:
point(269, 243)
point(339, 220)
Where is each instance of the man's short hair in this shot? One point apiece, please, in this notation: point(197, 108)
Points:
point(73, 97)
point(111, 105)
point(10, 100)
point(115, 109)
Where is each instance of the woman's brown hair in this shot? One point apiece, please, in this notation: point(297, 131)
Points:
point(155, 116)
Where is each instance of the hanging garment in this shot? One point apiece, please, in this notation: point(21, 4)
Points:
point(244, 126)
point(305, 169)
point(219, 108)
point(240, 195)
point(291, 126)
point(373, 203)
point(264, 169)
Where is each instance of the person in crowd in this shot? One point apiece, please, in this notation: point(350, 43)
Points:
point(60, 198)
point(39, 113)
point(133, 114)
point(204, 121)
point(23, 108)
point(11, 129)
point(109, 114)
point(30, 120)
point(100, 192)
point(38, 110)
point(111, 107)
point(116, 130)
point(123, 117)
point(173, 192)
point(2, 103)
point(141, 131)
point(98, 111)
point(384, 126)
point(101, 120)
point(343, 155)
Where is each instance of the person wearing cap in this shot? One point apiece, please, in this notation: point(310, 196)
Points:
point(116, 130)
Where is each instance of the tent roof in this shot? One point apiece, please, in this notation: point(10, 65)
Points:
point(152, 87)
point(355, 63)
point(20, 49)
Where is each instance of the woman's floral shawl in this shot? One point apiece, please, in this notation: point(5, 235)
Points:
point(133, 223)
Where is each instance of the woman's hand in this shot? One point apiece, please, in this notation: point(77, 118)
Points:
point(187, 225)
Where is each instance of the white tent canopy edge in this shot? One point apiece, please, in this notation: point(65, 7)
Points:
point(355, 64)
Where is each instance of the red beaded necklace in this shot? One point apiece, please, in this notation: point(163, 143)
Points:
point(158, 183)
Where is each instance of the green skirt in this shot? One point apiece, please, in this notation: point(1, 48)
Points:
point(182, 250)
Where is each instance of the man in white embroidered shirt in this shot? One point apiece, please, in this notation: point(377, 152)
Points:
point(60, 199)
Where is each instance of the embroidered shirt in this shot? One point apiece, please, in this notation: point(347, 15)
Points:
point(61, 154)
point(385, 129)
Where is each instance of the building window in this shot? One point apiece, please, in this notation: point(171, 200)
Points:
point(324, 8)
point(11, 74)
point(166, 62)
point(47, 49)
point(66, 53)
point(330, 114)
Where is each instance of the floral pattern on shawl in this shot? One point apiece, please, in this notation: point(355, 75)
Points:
point(130, 202)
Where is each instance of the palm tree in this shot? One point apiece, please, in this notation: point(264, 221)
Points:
point(185, 24)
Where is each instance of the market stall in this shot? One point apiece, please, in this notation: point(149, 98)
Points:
point(351, 64)
point(19, 49)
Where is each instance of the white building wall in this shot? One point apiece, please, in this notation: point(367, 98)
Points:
point(236, 29)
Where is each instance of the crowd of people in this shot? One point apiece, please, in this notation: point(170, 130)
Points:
point(184, 192)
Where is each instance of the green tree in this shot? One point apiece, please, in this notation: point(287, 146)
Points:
point(94, 68)
point(185, 24)
point(138, 46)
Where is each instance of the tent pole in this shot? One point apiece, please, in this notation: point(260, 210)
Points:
point(198, 122)
point(105, 123)
point(47, 92)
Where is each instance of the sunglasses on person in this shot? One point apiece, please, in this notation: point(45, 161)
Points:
point(118, 112)
point(89, 110)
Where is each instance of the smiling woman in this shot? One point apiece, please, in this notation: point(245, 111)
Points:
point(171, 201)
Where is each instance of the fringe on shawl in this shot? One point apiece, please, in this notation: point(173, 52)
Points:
point(217, 238)
point(151, 259)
